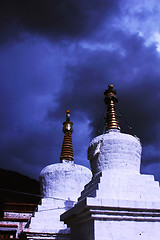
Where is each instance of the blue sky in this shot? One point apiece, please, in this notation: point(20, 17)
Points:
point(62, 54)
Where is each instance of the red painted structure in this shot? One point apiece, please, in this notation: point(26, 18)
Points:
point(15, 217)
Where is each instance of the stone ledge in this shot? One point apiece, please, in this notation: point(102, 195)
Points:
point(109, 213)
point(38, 236)
point(84, 207)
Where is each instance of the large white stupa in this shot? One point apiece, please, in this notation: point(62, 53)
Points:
point(61, 184)
point(119, 202)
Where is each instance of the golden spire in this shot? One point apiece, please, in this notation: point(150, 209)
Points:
point(110, 99)
point(67, 148)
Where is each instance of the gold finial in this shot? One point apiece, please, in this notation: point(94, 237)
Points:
point(67, 147)
point(110, 99)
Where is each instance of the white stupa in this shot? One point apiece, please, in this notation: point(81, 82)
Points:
point(61, 184)
point(119, 202)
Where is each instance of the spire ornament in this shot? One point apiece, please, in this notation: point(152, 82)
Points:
point(67, 147)
point(110, 99)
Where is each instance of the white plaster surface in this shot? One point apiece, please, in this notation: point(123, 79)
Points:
point(46, 219)
point(119, 202)
point(115, 150)
point(92, 220)
point(117, 156)
point(64, 180)
point(126, 230)
point(61, 184)
point(122, 185)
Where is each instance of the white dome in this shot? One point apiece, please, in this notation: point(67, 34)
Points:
point(115, 150)
point(64, 180)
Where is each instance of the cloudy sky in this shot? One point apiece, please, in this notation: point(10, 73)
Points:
point(62, 54)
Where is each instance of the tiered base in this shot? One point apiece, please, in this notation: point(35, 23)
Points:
point(46, 224)
point(116, 205)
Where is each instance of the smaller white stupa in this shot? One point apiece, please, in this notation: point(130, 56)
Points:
point(61, 184)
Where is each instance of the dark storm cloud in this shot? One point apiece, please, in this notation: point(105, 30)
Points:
point(26, 142)
point(41, 79)
point(134, 71)
point(53, 18)
point(133, 68)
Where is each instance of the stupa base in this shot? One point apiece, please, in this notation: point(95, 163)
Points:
point(99, 219)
